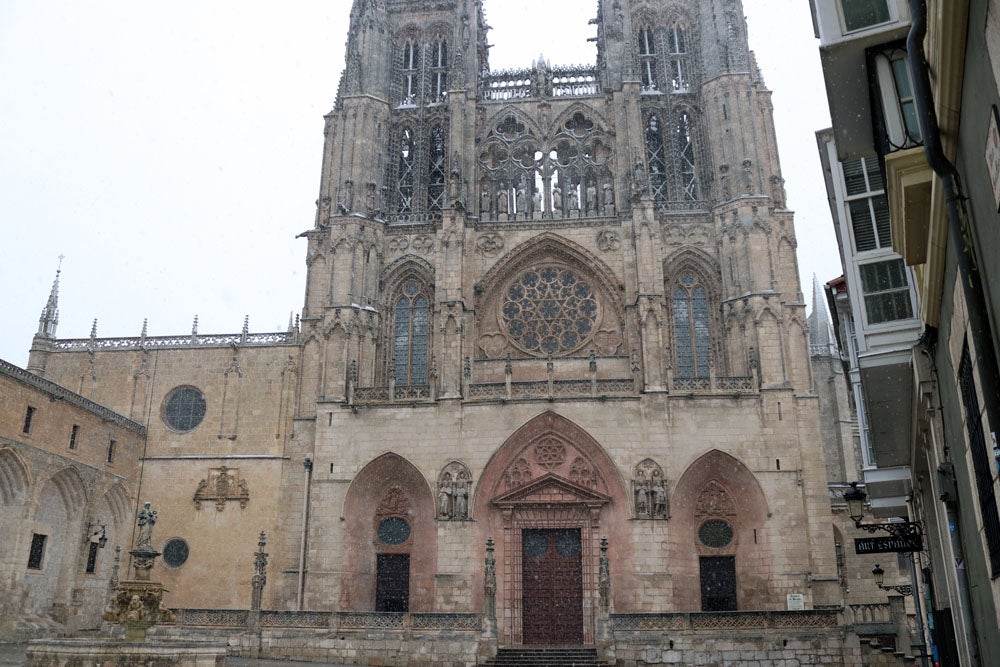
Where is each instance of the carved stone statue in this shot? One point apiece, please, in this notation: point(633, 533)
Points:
point(537, 200)
point(574, 200)
point(503, 201)
point(659, 493)
point(641, 499)
point(522, 200)
point(484, 202)
point(557, 202)
point(591, 198)
point(147, 519)
point(461, 500)
point(444, 500)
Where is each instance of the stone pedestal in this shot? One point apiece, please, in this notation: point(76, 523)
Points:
point(91, 653)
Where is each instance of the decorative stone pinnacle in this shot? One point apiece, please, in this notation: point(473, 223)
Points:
point(246, 325)
point(93, 329)
point(194, 326)
point(145, 327)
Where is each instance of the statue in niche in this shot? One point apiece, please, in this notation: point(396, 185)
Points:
point(503, 201)
point(454, 486)
point(484, 202)
point(609, 194)
point(638, 177)
point(591, 198)
point(444, 499)
point(522, 200)
point(557, 201)
point(323, 211)
point(574, 200)
point(537, 200)
point(461, 500)
point(641, 499)
point(659, 493)
point(747, 176)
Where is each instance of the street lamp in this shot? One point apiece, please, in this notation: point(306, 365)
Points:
point(879, 575)
point(904, 530)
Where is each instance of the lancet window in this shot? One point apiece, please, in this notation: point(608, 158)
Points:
point(410, 72)
point(692, 339)
point(436, 169)
point(687, 167)
point(406, 178)
point(678, 49)
point(411, 334)
point(438, 71)
point(647, 58)
point(656, 158)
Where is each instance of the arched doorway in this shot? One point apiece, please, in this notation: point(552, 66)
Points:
point(548, 496)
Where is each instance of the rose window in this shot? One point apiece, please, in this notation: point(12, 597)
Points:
point(550, 311)
point(550, 454)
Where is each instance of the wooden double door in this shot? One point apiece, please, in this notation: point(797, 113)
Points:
point(552, 586)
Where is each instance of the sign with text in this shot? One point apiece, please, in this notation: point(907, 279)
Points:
point(889, 545)
point(795, 602)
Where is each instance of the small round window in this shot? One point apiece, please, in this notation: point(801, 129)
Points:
point(715, 534)
point(175, 552)
point(393, 531)
point(183, 409)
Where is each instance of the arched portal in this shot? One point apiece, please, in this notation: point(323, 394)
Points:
point(547, 497)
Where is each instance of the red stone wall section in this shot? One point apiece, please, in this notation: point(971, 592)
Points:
point(717, 486)
point(389, 486)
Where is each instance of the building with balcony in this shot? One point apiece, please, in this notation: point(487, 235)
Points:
point(913, 88)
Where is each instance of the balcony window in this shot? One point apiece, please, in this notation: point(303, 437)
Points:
point(859, 14)
point(886, 291)
point(901, 129)
point(867, 204)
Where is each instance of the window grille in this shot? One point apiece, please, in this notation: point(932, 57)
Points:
point(91, 558)
point(406, 177)
point(980, 461)
point(436, 175)
point(867, 204)
point(73, 435)
point(36, 554)
point(112, 445)
point(685, 157)
point(692, 342)
point(656, 157)
point(29, 417)
point(411, 74)
point(886, 291)
point(411, 328)
point(677, 44)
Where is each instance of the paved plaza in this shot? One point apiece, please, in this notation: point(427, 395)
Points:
point(12, 655)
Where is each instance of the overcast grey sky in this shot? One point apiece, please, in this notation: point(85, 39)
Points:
point(171, 151)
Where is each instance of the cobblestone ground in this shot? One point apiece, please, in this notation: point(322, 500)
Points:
point(12, 655)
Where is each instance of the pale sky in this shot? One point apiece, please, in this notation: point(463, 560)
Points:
point(171, 151)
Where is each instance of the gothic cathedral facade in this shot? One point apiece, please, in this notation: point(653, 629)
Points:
point(554, 310)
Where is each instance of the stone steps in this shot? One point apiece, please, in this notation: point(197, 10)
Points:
point(556, 656)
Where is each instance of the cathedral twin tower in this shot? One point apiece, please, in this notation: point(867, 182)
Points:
point(544, 306)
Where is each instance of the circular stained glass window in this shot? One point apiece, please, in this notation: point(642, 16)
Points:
point(183, 409)
point(568, 544)
point(175, 552)
point(393, 531)
point(536, 545)
point(715, 534)
point(549, 311)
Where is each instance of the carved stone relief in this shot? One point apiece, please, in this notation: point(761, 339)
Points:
point(489, 245)
point(454, 488)
point(650, 489)
point(221, 486)
point(552, 454)
point(714, 500)
point(609, 241)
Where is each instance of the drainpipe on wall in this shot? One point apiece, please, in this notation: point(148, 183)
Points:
point(959, 232)
point(308, 465)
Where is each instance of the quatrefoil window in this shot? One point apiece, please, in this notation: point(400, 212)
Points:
point(549, 311)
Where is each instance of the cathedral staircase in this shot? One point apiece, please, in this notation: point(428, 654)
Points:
point(557, 656)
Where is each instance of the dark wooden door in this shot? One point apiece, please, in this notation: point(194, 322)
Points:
point(718, 583)
point(392, 587)
point(552, 586)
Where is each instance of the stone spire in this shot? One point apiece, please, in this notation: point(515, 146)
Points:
point(49, 318)
point(821, 339)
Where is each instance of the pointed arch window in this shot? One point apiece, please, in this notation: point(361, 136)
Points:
point(692, 341)
point(677, 46)
point(435, 170)
point(656, 157)
point(411, 65)
point(647, 58)
point(407, 158)
point(411, 329)
point(439, 70)
point(686, 157)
